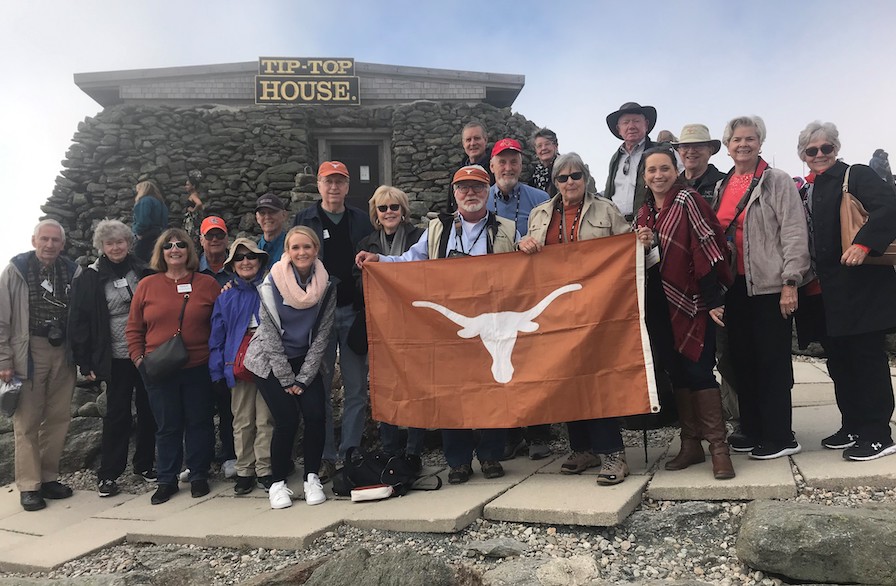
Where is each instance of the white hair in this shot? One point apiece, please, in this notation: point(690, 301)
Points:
point(48, 222)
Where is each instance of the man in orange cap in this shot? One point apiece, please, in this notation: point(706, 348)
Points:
point(213, 238)
point(473, 231)
point(340, 228)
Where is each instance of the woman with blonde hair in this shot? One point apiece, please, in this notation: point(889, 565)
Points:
point(150, 218)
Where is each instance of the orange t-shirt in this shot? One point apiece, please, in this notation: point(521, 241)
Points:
point(552, 236)
point(734, 192)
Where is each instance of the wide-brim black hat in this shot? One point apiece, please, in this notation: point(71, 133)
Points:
point(648, 112)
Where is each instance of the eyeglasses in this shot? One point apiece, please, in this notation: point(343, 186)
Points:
point(214, 235)
point(169, 245)
point(476, 188)
point(392, 206)
point(244, 256)
point(574, 176)
point(825, 149)
point(627, 165)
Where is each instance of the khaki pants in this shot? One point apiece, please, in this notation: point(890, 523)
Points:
point(43, 415)
point(253, 428)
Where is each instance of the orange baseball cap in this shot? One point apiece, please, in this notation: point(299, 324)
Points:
point(210, 223)
point(471, 173)
point(332, 168)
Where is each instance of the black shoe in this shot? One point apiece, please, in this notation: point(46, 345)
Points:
point(772, 450)
point(738, 442)
point(31, 500)
point(244, 484)
point(512, 449)
point(864, 451)
point(840, 440)
point(107, 488)
point(492, 469)
point(265, 482)
point(460, 474)
point(55, 490)
point(148, 475)
point(414, 463)
point(199, 488)
point(163, 493)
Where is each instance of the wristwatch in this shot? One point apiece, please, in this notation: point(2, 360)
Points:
point(790, 283)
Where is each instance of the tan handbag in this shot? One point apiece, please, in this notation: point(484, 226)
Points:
point(852, 217)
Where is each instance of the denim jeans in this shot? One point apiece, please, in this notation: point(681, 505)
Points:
point(183, 408)
point(354, 379)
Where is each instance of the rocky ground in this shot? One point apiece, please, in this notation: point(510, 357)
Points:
point(691, 542)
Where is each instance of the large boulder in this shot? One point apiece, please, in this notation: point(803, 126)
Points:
point(816, 543)
point(403, 567)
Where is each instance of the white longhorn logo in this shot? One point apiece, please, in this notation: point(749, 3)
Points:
point(499, 330)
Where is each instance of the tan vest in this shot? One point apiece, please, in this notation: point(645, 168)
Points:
point(502, 239)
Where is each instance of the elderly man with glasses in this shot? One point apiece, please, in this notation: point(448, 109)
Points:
point(34, 297)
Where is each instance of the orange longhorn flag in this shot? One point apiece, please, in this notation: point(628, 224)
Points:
point(510, 340)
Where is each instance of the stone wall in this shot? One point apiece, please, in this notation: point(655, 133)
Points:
point(244, 152)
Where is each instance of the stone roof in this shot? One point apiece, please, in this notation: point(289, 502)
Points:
point(234, 84)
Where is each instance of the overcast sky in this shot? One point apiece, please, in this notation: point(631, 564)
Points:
point(695, 61)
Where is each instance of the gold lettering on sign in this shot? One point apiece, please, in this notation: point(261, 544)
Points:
point(307, 89)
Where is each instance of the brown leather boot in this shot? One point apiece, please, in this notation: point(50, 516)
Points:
point(691, 449)
point(708, 407)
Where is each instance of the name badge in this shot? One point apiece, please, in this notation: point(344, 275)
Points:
point(185, 288)
point(120, 283)
point(326, 233)
point(47, 285)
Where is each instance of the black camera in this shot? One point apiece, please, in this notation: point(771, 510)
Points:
point(457, 254)
point(55, 332)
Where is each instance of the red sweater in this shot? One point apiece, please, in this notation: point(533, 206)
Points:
point(155, 310)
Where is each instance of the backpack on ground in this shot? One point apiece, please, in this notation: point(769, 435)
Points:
point(364, 469)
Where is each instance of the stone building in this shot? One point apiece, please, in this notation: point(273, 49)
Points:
point(255, 127)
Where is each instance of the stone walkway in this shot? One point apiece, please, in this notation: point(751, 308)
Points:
point(533, 492)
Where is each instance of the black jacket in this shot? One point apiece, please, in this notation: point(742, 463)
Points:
point(858, 299)
point(705, 185)
point(359, 224)
point(88, 324)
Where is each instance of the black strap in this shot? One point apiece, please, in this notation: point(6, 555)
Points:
point(742, 204)
point(183, 308)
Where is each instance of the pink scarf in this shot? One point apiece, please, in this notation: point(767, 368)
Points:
point(286, 282)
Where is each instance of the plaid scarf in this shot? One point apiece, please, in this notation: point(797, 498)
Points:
point(691, 247)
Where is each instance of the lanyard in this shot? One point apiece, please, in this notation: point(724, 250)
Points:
point(575, 222)
point(516, 215)
point(459, 233)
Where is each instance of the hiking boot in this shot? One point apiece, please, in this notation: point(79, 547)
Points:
point(314, 491)
point(539, 451)
point(614, 469)
point(460, 474)
point(578, 462)
point(327, 471)
point(55, 490)
point(772, 450)
point(840, 440)
point(107, 488)
point(492, 469)
point(512, 449)
point(244, 485)
point(864, 451)
point(279, 495)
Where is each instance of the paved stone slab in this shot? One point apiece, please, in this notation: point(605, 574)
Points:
point(813, 424)
point(293, 528)
point(756, 479)
point(9, 539)
point(9, 501)
point(77, 540)
point(568, 500)
point(829, 470)
point(61, 514)
point(141, 509)
point(193, 525)
point(634, 456)
point(810, 372)
point(810, 394)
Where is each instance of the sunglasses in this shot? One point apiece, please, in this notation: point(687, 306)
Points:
point(214, 235)
point(169, 245)
point(244, 256)
point(825, 149)
point(574, 176)
point(392, 206)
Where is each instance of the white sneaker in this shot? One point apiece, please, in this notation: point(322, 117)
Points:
point(279, 495)
point(314, 490)
point(184, 476)
point(229, 468)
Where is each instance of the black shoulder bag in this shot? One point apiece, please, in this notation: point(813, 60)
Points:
point(171, 356)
